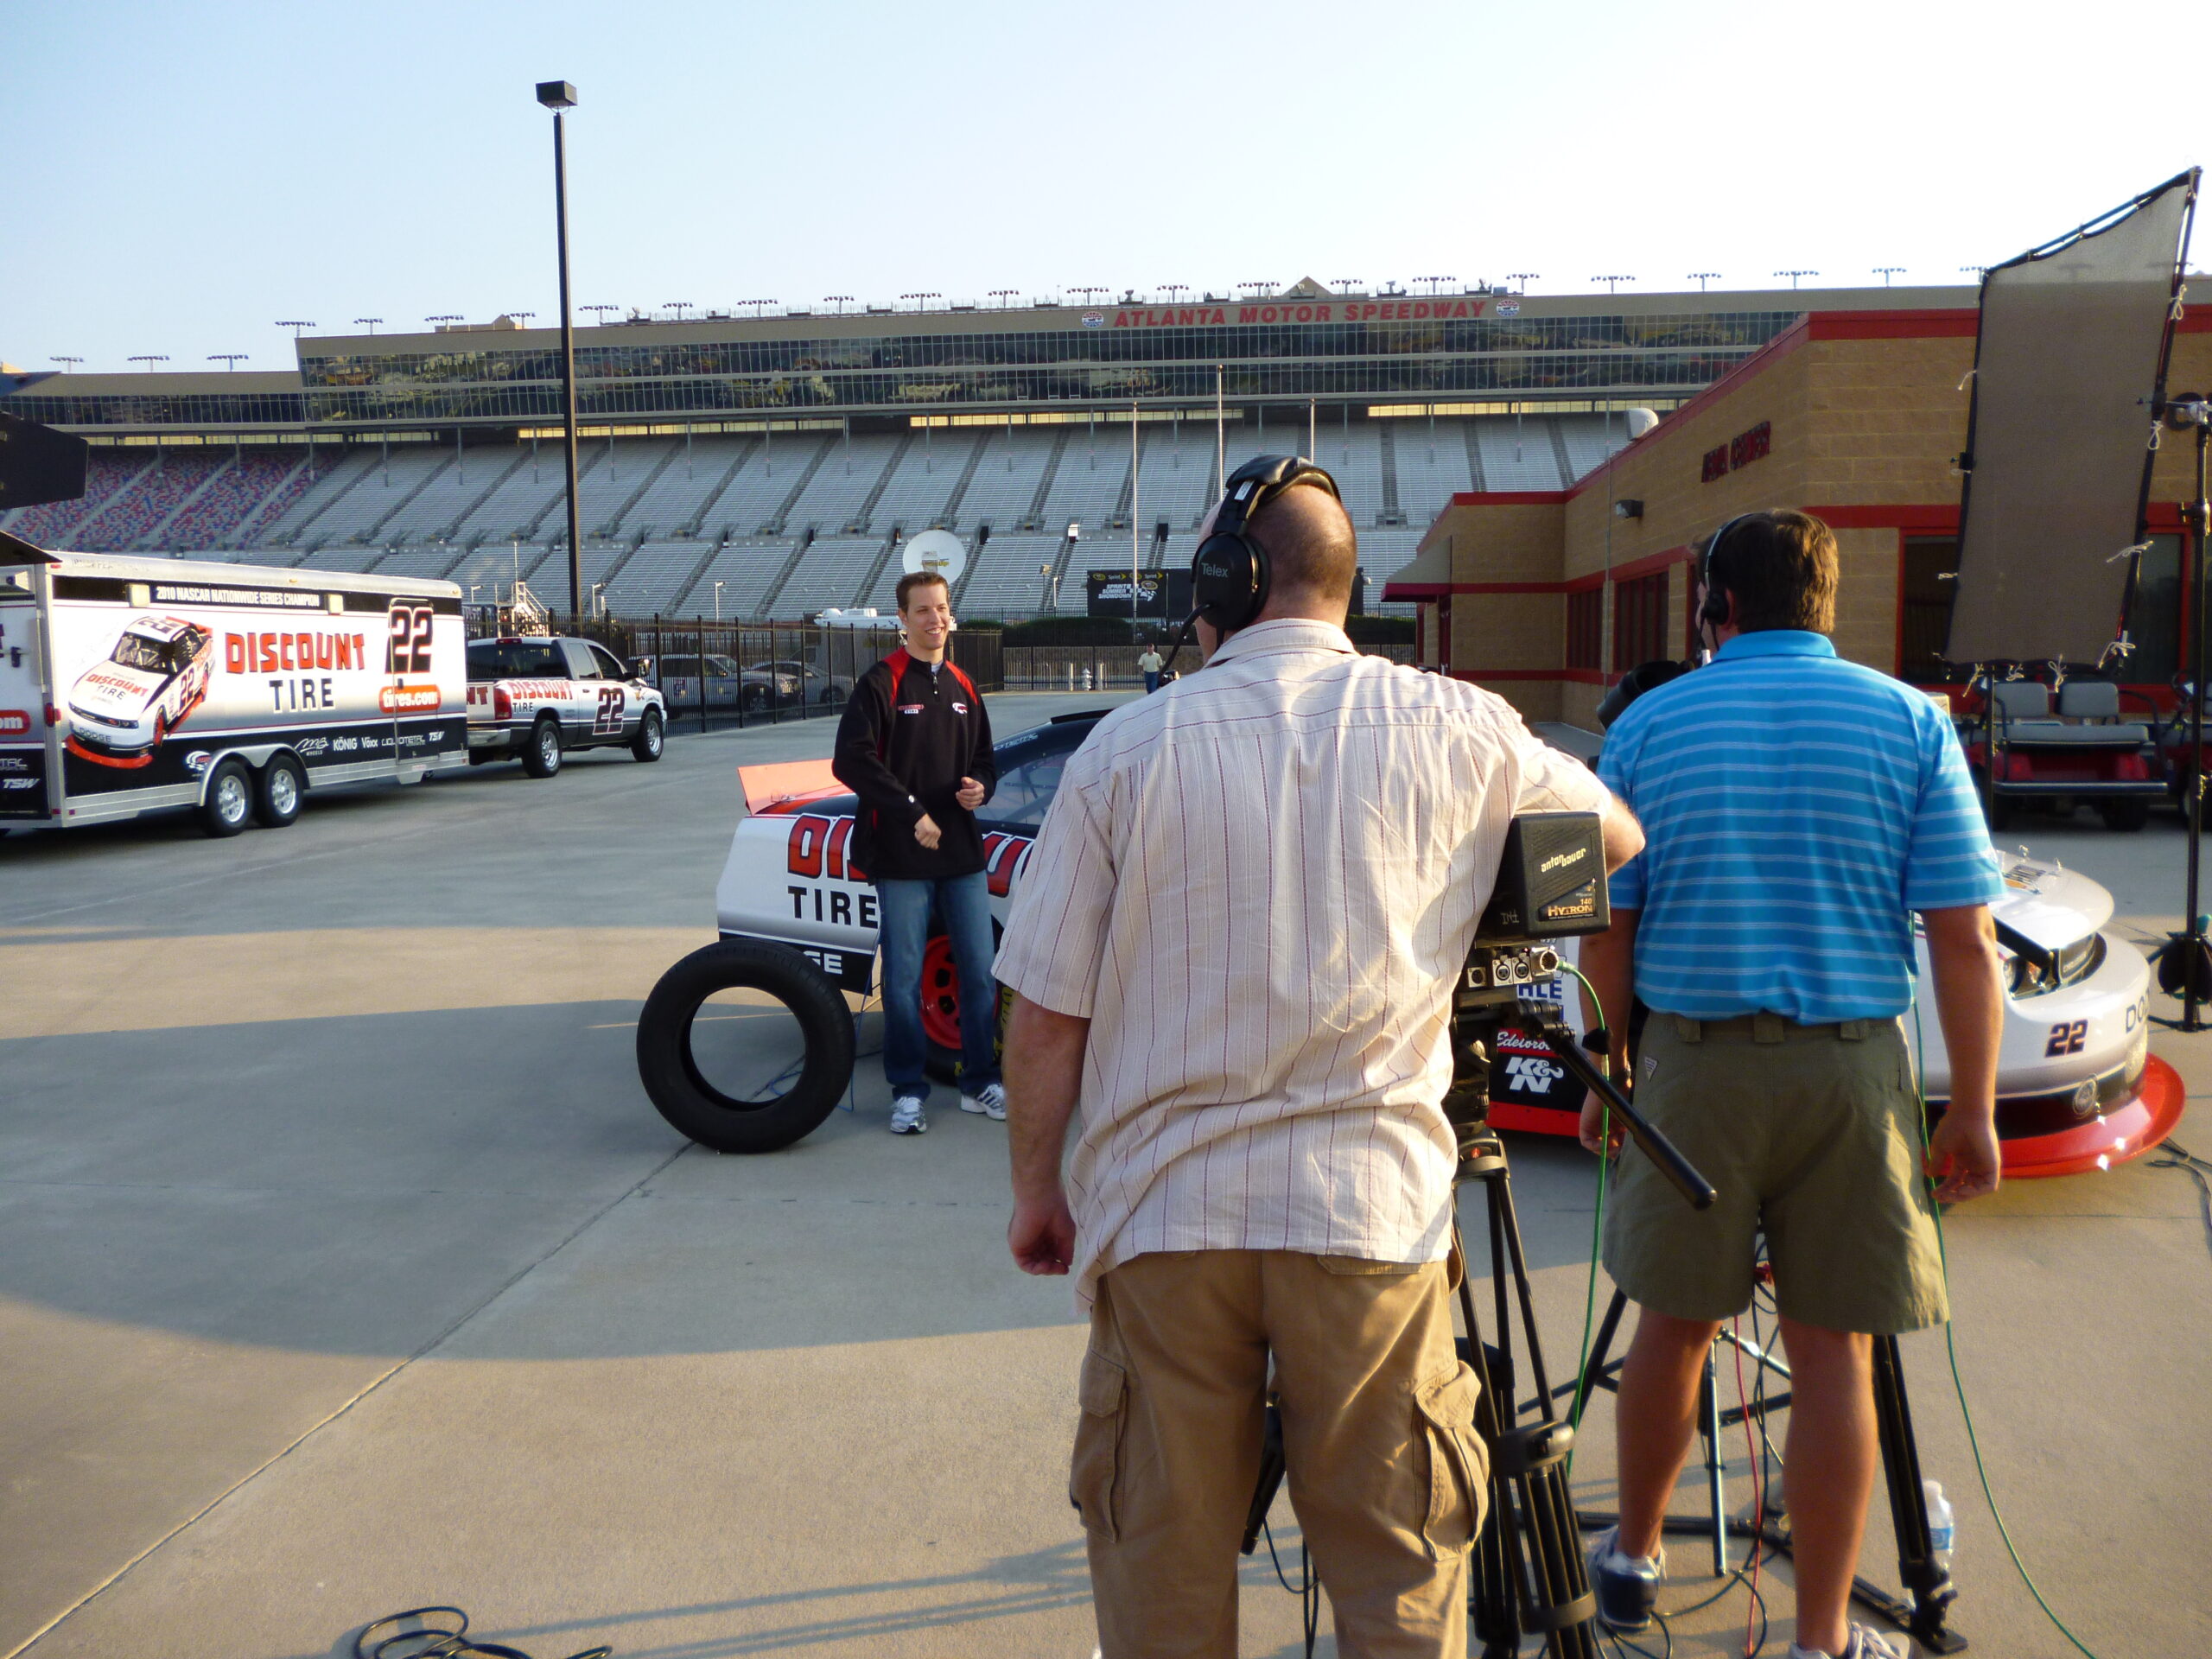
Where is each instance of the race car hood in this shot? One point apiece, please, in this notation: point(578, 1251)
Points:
point(787, 785)
point(2049, 904)
point(118, 693)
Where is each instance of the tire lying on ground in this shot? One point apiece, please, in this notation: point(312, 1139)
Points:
point(793, 1104)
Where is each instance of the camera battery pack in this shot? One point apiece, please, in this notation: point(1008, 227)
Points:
point(1551, 882)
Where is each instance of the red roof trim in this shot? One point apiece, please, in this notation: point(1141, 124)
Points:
point(1509, 498)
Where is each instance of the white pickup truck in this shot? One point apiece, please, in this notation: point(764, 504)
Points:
point(535, 698)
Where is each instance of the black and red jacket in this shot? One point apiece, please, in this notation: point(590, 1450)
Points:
point(908, 738)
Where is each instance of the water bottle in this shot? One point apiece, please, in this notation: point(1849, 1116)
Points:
point(1942, 1526)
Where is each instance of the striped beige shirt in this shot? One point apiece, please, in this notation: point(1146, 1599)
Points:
point(1258, 887)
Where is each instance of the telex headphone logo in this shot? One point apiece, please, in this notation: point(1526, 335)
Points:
point(1230, 574)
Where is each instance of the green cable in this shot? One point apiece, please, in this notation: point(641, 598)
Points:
point(1951, 1346)
point(1597, 1228)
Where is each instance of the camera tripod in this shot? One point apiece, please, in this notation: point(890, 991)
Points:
point(1528, 1573)
point(1923, 1608)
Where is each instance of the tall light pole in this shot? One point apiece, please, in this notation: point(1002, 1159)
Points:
point(1887, 271)
point(1612, 283)
point(230, 361)
point(601, 309)
point(72, 361)
point(1523, 277)
point(1702, 277)
point(840, 301)
point(295, 324)
point(556, 96)
point(150, 361)
point(1794, 274)
point(371, 321)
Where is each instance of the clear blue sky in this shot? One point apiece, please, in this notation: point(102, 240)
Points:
point(180, 175)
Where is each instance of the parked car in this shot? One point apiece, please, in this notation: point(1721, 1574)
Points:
point(791, 675)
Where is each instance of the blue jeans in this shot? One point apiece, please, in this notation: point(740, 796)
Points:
point(964, 902)
point(1151, 682)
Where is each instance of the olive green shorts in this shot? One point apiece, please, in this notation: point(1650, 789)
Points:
point(1811, 1137)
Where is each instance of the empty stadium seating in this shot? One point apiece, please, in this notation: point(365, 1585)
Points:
point(791, 524)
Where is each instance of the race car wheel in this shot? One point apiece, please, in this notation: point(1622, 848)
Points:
point(941, 1010)
point(2126, 815)
point(774, 1057)
point(650, 740)
point(279, 792)
point(228, 803)
point(541, 757)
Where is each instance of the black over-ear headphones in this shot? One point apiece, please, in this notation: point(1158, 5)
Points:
point(1230, 574)
point(1714, 610)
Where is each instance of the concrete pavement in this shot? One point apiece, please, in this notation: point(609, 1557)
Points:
point(345, 1267)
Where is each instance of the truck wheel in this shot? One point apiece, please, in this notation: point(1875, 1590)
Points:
point(2126, 815)
point(279, 792)
point(786, 1094)
point(541, 758)
point(650, 740)
point(229, 801)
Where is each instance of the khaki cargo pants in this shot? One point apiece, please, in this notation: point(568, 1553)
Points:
point(1385, 1470)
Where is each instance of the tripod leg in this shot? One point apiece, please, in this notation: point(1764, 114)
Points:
point(1928, 1586)
point(1716, 1477)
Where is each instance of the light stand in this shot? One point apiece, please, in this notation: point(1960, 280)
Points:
point(556, 96)
point(2185, 960)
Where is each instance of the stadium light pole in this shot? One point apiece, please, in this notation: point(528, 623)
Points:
point(1523, 277)
point(556, 96)
point(71, 361)
point(371, 321)
point(601, 309)
point(1612, 283)
point(840, 301)
point(150, 361)
point(1702, 277)
point(1794, 274)
point(230, 361)
point(1887, 271)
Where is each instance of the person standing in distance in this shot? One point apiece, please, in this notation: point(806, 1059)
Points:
point(1800, 809)
point(1234, 946)
point(914, 745)
point(1149, 666)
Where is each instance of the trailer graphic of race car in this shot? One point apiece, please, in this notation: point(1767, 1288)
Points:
point(2077, 1086)
point(123, 708)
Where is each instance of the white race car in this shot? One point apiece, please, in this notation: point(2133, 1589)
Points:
point(123, 707)
point(2077, 1086)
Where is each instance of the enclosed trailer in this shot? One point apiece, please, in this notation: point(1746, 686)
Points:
point(132, 685)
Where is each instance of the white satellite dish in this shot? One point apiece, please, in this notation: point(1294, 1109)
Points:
point(937, 551)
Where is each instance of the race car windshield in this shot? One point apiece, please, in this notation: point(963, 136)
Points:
point(137, 650)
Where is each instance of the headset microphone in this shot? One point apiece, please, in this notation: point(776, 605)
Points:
point(1231, 573)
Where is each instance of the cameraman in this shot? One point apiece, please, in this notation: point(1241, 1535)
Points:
point(1799, 809)
point(1234, 946)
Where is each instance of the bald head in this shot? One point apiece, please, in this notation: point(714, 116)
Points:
point(1312, 549)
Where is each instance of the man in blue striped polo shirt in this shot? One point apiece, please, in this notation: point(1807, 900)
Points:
point(1797, 809)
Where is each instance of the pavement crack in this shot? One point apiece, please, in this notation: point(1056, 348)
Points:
point(344, 1408)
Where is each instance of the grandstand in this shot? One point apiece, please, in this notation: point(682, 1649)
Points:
point(771, 467)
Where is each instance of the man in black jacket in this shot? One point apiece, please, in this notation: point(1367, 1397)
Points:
point(915, 746)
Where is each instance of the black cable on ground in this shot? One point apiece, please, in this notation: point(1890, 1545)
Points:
point(447, 1638)
point(2179, 1157)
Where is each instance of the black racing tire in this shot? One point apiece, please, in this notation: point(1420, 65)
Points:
point(2126, 815)
point(279, 793)
point(227, 806)
point(694, 1107)
point(541, 756)
point(652, 738)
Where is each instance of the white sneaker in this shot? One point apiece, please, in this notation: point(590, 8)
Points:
point(991, 1103)
point(1863, 1643)
point(907, 1117)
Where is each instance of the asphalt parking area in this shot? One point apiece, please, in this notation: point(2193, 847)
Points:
point(344, 1267)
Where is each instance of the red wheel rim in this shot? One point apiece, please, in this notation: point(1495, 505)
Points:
point(940, 994)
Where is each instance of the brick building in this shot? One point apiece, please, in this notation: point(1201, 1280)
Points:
point(1857, 416)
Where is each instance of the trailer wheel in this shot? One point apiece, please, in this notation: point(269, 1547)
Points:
point(279, 792)
point(2126, 815)
point(651, 739)
point(229, 800)
point(801, 1062)
point(541, 758)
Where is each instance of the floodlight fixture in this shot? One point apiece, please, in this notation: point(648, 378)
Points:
point(296, 325)
point(1263, 285)
point(1436, 283)
point(1976, 271)
point(150, 361)
point(1522, 277)
point(1612, 283)
point(1702, 277)
point(760, 307)
point(523, 316)
point(66, 360)
point(371, 321)
point(1887, 271)
point(1171, 289)
point(229, 359)
point(1794, 274)
point(557, 94)
point(1002, 295)
point(448, 316)
point(1090, 294)
point(840, 301)
point(601, 308)
point(677, 306)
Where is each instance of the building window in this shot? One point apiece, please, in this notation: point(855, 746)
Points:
point(1639, 621)
point(1585, 622)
